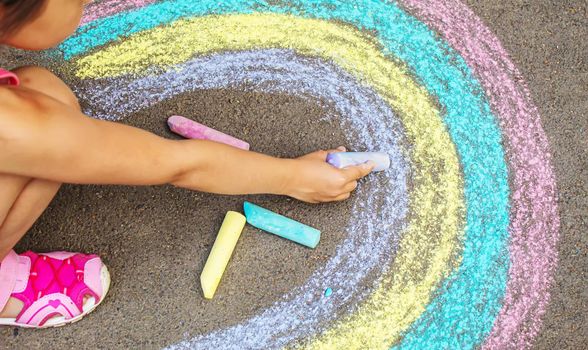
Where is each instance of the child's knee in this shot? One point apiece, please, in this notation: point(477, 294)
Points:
point(42, 80)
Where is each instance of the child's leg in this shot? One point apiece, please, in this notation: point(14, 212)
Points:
point(23, 200)
point(26, 203)
point(35, 195)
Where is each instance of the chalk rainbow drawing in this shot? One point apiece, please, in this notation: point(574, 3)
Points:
point(465, 254)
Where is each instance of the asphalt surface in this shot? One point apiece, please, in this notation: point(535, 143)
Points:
point(155, 240)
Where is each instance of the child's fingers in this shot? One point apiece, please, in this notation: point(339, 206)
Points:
point(350, 186)
point(342, 197)
point(324, 154)
point(358, 171)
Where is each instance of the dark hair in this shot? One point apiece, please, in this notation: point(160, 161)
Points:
point(17, 13)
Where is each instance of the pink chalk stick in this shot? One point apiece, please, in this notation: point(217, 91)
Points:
point(193, 130)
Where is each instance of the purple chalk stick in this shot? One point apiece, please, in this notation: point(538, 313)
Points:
point(345, 159)
point(194, 130)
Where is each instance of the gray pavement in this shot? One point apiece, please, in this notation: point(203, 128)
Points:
point(155, 240)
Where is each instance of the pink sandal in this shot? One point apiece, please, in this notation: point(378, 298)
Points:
point(8, 78)
point(52, 287)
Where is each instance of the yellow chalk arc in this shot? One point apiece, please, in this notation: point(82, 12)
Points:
point(436, 217)
point(221, 252)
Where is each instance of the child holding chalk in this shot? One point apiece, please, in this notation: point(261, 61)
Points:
point(45, 141)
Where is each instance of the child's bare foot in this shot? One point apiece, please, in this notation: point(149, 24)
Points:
point(12, 309)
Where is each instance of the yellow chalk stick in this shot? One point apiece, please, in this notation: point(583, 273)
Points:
point(221, 252)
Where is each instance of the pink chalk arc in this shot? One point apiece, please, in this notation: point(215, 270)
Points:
point(97, 10)
point(534, 193)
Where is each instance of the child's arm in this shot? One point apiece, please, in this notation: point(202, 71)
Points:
point(42, 138)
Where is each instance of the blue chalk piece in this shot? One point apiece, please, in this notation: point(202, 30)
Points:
point(280, 225)
point(328, 292)
point(345, 159)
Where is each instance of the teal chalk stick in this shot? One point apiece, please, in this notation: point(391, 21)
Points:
point(280, 225)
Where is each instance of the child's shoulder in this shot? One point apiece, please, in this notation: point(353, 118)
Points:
point(9, 97)
point(18, 108)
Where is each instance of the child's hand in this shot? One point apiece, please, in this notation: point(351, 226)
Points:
point(314, 180)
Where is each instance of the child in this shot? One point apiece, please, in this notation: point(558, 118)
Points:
point(45, 140)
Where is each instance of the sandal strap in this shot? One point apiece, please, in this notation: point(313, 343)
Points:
point(47, 307)
point(8, 268)
point(14, 276)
